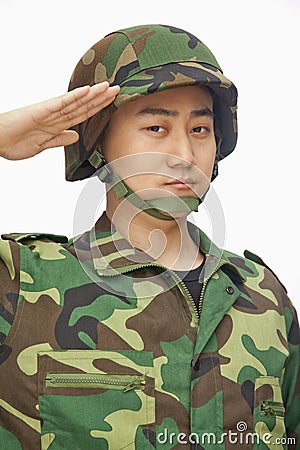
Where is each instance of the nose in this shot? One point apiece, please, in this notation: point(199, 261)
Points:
point(180, 152)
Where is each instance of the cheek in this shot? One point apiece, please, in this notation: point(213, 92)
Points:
point(205, 160)
point(114, 149)
point(143, 168)
point(121, 143)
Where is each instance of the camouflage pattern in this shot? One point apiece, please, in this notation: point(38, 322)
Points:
point(143, 60)
point(118, 360)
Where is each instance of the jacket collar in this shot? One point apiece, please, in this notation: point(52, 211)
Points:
point(112, 254)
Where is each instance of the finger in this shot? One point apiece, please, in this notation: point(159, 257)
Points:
point(93, 104)
point(97, 95)
point(72, 99)
point(57, 103)
point(75, 97)
point(85, 111)
point(65, 138)
point(93, 92)
point(86, 114)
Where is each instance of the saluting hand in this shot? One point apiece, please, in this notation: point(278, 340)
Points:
point(25, 132)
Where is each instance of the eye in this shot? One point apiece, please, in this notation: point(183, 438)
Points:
point(156, 128)
point(200, 129)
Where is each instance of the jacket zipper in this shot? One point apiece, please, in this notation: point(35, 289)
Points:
point(95, 380)
point(186, 293)
point(205, 281)
point(268, 408)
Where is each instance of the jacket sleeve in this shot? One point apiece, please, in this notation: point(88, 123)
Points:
point(9, 286)
point(291, 379)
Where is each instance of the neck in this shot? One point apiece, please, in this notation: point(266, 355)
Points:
point(166, 241)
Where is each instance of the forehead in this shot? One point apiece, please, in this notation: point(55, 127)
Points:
point(181, 99)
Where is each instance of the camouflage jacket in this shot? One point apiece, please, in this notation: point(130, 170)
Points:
point(102, 349)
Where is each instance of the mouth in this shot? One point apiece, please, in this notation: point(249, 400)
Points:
point(184, 183)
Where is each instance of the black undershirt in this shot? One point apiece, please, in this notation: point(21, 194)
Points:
point(193, 281)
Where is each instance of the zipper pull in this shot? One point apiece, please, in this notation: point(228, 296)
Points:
point(276, 409)
point(137, 384)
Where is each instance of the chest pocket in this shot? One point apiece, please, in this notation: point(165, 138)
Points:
point(94, 399)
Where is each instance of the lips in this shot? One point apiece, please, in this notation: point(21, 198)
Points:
point(181, 183)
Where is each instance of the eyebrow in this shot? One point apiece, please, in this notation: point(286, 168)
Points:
point(202, 112)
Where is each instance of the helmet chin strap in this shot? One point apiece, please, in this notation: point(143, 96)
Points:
point(157, 207)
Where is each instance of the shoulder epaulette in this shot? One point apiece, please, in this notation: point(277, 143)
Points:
point(23, 237)
point(257, 259)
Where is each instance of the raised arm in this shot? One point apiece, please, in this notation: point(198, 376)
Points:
point(27, 131)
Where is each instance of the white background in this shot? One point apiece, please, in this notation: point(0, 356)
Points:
point(256, 44)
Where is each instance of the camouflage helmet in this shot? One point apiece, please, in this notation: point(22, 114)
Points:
point(143, 60)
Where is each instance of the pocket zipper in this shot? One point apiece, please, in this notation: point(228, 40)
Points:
point(95, 380)
point(268, 408)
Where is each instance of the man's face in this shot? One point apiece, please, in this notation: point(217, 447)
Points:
point(164, 143)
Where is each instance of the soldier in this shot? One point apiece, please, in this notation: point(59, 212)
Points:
point(141, 333)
